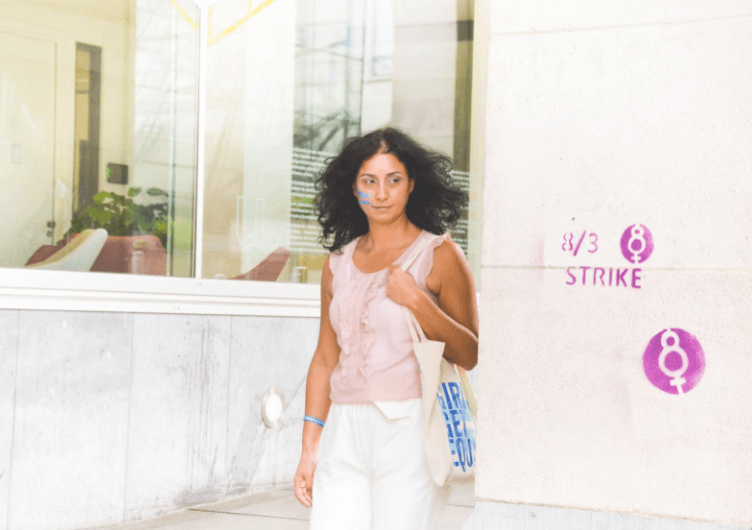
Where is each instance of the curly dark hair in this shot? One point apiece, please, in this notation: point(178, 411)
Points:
point(434, 205)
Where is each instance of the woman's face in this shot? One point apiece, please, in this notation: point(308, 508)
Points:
point(383, 187)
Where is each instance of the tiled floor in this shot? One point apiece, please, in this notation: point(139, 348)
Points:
point(277, 509)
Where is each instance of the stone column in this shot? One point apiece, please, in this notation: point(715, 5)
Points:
point(616, 286)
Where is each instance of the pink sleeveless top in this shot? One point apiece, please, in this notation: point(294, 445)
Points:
point(376, 360)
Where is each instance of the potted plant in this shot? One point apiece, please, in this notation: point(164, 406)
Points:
point(120, 215)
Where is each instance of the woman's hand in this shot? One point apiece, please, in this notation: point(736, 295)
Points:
point(401, 287)
point(453, 318)
point(303, 481)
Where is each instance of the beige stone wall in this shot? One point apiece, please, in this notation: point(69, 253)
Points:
point(601, 115)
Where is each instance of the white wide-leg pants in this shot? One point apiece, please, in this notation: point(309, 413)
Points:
point(372, 472)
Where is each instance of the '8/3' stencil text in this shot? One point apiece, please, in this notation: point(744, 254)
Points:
point(636, 245)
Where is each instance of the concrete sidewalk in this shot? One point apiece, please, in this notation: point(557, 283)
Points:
point(277, 509)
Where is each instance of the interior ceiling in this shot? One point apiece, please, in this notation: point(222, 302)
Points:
point(115, 11)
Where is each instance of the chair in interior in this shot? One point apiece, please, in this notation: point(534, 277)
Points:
point(143, 254)
point(79, 254)
point(269, 269)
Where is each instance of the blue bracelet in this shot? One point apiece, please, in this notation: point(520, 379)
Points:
point(314, 420)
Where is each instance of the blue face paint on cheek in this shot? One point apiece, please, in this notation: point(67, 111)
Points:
point(364, 202)
point(362, 196)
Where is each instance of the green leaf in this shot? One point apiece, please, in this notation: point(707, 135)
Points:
point(105, 217)
point(119, 199)
point(100, 197)
point(156, 192)
point(159, 226)
point(132, 192)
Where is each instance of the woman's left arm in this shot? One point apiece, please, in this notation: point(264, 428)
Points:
point(454, 320)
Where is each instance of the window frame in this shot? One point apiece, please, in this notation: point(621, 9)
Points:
point(28, 289)
point(131, 293)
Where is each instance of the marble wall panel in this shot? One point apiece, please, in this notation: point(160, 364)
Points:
point(8, 359)
point(178, 412)
point(71, 415)
point(570, 417)
point(266, 352)
point(493, 515)
point(510, 16)
point(594, 131)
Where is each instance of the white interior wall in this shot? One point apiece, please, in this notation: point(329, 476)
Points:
point(51, 21)
point(601, 115)
point(27, 141)
point(250, 111)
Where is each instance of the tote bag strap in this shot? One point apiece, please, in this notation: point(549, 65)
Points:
point(416, 332)
point(467, 388)
point(420, 248)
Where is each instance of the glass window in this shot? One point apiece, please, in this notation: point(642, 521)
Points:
point(99, 115)
point(98, 132)
point(289, 84)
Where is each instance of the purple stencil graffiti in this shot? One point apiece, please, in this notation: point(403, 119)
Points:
point(674, 361)
point(637, 243)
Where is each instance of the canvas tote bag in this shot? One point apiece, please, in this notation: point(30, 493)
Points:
point(449, 404)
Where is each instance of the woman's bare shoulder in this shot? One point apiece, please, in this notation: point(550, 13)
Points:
point(326, 277)
point(448, 257)
point(449, 266)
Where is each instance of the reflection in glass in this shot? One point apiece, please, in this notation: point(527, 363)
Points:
point(98, 132)
point(249, 135)
point(288, 86)
point(98, 124)
point(164, 128)
point(329, 57)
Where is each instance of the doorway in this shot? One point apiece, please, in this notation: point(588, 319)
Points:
point(27, 145)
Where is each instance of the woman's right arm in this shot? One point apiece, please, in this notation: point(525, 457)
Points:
point(317, 392)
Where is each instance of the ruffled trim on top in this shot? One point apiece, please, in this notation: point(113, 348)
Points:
point(344, 298)
point(376, 286)
point(356, 334)
point(422, 266)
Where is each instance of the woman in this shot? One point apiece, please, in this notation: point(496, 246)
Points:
point(380, 199)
